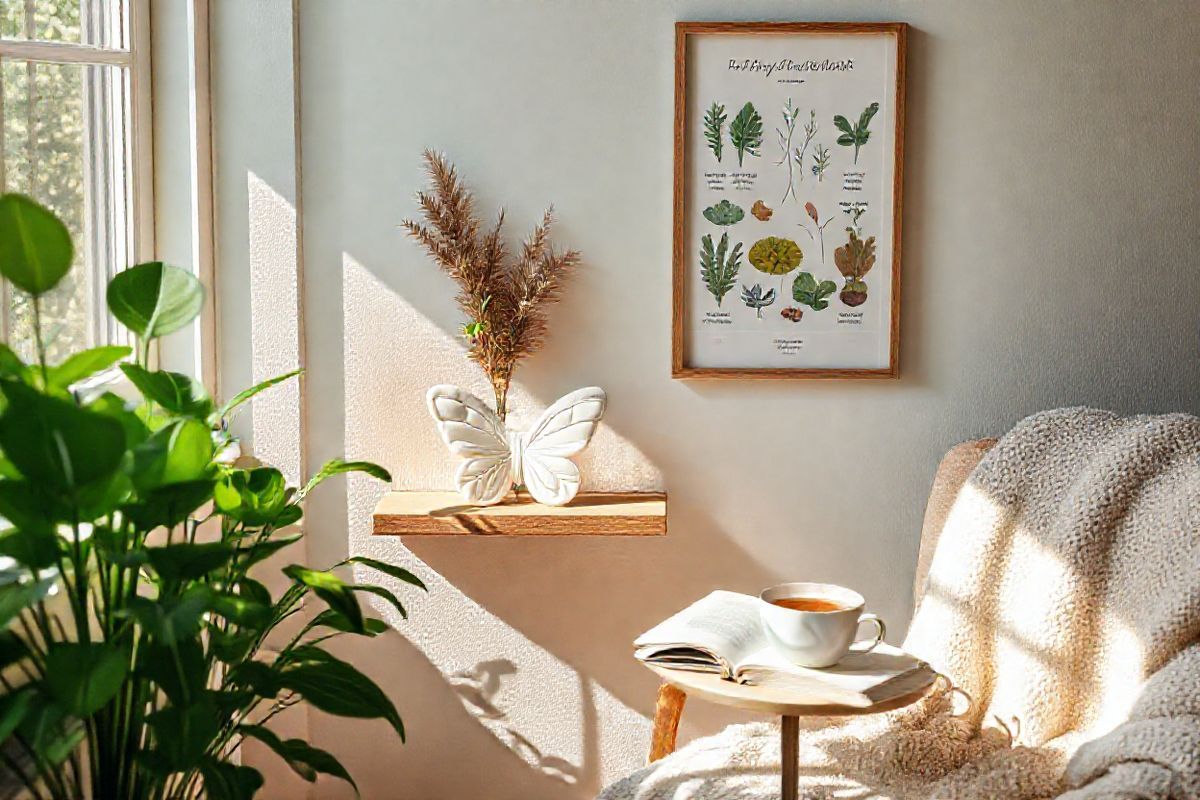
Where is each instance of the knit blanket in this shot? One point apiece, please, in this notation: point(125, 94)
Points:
point(1062, 607)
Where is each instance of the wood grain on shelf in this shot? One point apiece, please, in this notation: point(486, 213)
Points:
point(589, 514)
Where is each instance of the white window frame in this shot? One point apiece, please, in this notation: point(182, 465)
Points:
point(138, 142)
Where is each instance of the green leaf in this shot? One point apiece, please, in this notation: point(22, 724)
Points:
point(29, 505)
point(399, 573)
point(113, 405)
point(188, 561)
point(745, 132)
point(338, 466)
point(173, 620)
point(84, 364)
point(13, 708)
point(254, 497)
point(245, 395)
point(332, 619)
point(843, 124)
point(175, 392)
point(224, 781)
point(16, 597)
point(179, 669)
point(714, 122)
point(305, 760)
point(85, 677)
point(241, 611)
point(154, 299)
point(260, 551)
point(846, 139)
point(35, 246)
point(183, 733)
point(56, 442)
point(231, 647)
point(181, 452)
point(34, 548)
point(805, 283)
point(335, 687)
point(865, 119)
point(380, 591)
point(11, 365)
point(254, 591)
point(724, 213)
point(168, 506)
point(330, 588)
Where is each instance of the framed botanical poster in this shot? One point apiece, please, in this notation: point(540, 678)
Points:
point(788, 162)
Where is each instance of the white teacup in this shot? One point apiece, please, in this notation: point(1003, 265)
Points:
point(817, 638)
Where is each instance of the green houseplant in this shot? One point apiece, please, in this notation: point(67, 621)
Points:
point(137, 650)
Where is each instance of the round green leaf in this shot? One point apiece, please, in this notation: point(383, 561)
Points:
point(84, 677)
point(175, 392)
point(56, 442)
point(35, 247)
point(154, 299)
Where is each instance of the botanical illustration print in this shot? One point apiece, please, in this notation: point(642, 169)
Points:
point(782, 141)
point(754, 298)
point(854, 260)
point(746, 132)
point(855, 135)
point(718, 270)
point(714, 124)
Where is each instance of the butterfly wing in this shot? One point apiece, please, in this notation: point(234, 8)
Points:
point(561, 431)
point(473, 431)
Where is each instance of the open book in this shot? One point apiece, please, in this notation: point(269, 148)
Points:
point(722, 634)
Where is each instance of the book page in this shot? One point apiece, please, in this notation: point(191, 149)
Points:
point(859, 679)
point(725, 624)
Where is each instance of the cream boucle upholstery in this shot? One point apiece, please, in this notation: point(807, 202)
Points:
point(1060, 594)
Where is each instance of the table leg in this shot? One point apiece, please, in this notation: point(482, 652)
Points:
point(666, 721)
point(789, 752)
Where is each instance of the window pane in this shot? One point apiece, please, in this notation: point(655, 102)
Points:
point(64, 146)
point(95, 22)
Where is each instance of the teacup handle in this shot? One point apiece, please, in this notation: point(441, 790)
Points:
point(880, 632)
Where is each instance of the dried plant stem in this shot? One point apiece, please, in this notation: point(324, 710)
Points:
point(504, 301)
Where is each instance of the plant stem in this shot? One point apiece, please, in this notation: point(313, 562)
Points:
point(500, 387)
point(37, 338)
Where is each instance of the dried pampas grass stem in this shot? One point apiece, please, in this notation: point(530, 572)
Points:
point(505, 301)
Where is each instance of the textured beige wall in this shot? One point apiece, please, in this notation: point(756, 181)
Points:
point(1049, 241)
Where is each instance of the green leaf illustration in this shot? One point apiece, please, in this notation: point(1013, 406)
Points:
point(714, 123)
point(746, 132)
point(754, 297)
point(719, 272)
point(854, 135)
point(806, 291)
point(724, 213)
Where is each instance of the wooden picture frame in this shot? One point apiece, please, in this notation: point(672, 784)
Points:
point(809, 63)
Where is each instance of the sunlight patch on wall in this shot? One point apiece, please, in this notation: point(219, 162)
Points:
point(555, 719)
point(277, 418)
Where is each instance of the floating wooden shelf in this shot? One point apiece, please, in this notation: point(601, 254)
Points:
point(592, 514)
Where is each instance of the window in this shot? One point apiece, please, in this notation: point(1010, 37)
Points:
point(74, 105)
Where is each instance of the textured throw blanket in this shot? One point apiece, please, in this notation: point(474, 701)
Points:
point(1062, 605)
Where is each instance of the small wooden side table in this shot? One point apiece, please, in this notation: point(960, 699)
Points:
point(789, 703)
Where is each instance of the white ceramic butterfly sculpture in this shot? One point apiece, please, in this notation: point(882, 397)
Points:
point(497, 458)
